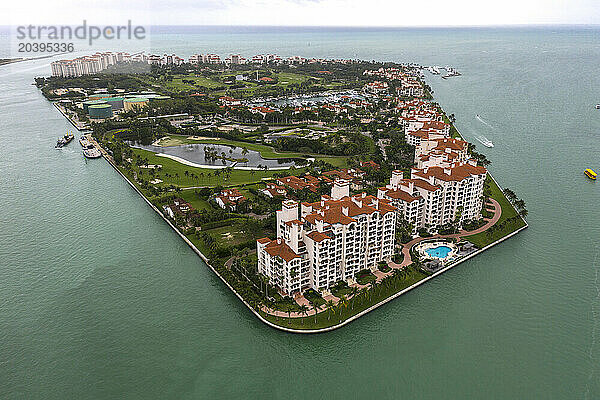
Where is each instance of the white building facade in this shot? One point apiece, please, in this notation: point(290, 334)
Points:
point(445, 187)
point(319, 244)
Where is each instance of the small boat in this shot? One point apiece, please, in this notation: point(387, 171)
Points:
point(92, 153)
point(597, 106)
point(65, 140)
point(590, 174)
point(486, 142)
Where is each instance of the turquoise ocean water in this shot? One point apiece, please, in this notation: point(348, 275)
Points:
point(99, 299)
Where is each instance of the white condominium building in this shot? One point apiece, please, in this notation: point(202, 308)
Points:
point(445, 185)
point(441, 152)
point(416, 200)
point(78, 67)
point(418, 131)
point(204, 58)
point(327, 241)
point(462, 189)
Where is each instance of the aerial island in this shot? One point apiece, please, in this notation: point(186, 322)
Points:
point(315, 189)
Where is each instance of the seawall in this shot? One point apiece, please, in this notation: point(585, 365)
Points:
point(322, 330)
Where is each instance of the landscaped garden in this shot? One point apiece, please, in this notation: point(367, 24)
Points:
point(509, 221)
point(364, 277)
point(346, 308)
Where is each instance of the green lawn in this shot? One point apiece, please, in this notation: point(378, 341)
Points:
point(192, 198)
point(508, 211)
point(291, 78)
point(204, 176)
point(177, 83)
point(227, 236)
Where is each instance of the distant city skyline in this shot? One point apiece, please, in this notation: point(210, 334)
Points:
point(384, 13)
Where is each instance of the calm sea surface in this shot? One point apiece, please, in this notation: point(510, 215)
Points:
point(99, 299)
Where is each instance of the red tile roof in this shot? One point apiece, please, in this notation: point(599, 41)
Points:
point(457, 173)
point(318, 236)
point(278, 248)
point(400, 195)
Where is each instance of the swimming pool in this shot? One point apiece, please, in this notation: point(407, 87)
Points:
point(439, 251)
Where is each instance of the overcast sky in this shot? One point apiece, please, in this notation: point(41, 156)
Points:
point(302, 12)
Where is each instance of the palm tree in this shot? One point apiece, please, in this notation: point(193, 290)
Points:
point(303, 311)
point(316, 309)
point(373, 286)
point(342, 303)
point(519, 204)
point(524, 213)
point(362, 294)
point(353, 293)
point(510, 195)
point(329, 306)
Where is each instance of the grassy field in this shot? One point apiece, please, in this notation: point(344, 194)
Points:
point(177, 83)
point(508, 211)
point(173, 173)
point(287, 78)
point(228, 235)
point(190, 197)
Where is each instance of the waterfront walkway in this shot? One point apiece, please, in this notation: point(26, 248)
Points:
point(301, 300)
point(497, 210)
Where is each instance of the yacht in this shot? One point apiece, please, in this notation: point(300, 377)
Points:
point(486, 142)
point(63, 141)
point(92, 153)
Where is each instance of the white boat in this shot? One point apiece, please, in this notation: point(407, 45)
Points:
point(486, 142)
point(92, 153)
point(597, 106)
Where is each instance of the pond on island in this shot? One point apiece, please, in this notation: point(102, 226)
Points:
point(221, 155)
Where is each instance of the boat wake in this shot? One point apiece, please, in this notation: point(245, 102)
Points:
point(484, 121)
point(483, 140)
